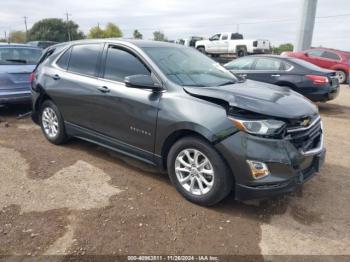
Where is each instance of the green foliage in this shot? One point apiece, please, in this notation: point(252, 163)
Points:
point(137, 34)
point(17, 37)
point(111, 30)
point(54, 29)
point(282, 48)
point(159, 36)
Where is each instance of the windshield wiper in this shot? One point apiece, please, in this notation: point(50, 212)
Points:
point(17, 60)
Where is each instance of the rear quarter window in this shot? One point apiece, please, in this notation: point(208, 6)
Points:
point(63, 61)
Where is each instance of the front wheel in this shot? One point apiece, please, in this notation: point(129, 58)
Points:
point(198, 171)
point(341, 76)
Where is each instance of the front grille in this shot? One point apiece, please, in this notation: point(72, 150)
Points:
point(306, 138)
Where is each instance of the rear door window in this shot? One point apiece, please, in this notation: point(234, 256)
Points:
point(64, 59)
point(84, 58)
point(241, 64)
point(224, 37)
point(268, 64)
point(121, 63)
point(330, 55)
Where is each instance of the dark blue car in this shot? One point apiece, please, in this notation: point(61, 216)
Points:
point(16, 64)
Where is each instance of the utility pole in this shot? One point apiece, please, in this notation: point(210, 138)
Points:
point(5, 35)
point(25, 24)
point(68, 29)
point(306, 24)
point(237, 28)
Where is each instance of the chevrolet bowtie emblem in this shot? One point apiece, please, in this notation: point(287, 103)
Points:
point(305, 122)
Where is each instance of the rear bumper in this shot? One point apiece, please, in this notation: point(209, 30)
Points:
point(15, 97)
point(323, 95)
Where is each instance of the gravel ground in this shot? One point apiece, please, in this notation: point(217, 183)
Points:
point(82, 199)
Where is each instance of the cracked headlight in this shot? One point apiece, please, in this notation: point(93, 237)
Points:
point(263, 127)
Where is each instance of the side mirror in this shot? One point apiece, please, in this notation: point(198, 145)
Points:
point(141, 81)
point(306, 54)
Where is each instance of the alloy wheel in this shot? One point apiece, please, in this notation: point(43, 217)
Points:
point(341, 76)
point(194, 171)
point(50, 122)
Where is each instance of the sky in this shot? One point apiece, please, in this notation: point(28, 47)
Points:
point(275, 20)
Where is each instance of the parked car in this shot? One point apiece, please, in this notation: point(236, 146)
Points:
point(173, 107)
point(336, 60)
point(232, 43)
point(17, 61)
point(42, 44)
point(315, 83)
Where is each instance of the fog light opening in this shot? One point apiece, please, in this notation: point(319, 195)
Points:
point(258, 169)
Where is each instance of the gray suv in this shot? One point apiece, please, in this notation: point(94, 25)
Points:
point(173, 107)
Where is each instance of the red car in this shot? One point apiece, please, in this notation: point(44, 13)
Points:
point(326, 58)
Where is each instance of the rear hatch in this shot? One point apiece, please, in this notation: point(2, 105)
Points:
point(15, 77)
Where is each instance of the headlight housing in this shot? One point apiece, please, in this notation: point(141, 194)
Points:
point(264, 127)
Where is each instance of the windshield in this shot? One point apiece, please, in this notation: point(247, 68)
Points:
point(188, 67)
point(19, 55)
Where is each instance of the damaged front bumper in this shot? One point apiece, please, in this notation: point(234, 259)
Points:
point(288, 166)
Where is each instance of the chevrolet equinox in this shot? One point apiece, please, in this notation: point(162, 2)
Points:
point(173, 107)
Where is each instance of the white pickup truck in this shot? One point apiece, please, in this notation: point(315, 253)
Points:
point(232, 43)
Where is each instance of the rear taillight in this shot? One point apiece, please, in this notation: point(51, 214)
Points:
point(318, 80)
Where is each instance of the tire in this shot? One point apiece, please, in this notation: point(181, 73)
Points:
point(218, 185)
point(241, 53)
point(341, 75)
point(201, 49)
point(52, 123)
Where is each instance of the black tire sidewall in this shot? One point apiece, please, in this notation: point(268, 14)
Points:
point(223, 180)
point(61, 135)
point(201, 49)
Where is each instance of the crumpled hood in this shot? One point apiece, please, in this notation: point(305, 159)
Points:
point(260, 98)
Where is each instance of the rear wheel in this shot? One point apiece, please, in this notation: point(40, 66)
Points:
point(241, 52)
point(341, 76)
point(52, 123)
point(201, 49)
point(198, 171)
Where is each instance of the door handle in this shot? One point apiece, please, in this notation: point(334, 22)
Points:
point(56, 77)
point(103, 89)
point(275, 75)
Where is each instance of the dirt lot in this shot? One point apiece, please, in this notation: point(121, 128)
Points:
point(82, 199)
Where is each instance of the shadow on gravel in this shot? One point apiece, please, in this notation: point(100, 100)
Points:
point(334, 110)
point(13, 111)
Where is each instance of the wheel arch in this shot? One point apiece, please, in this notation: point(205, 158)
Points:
point(285, 83)
point(175, 136)
point(43, 96)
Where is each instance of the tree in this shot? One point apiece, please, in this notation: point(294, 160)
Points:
point(159, 36)
point(17, 37)
point(111, 30)
point(96, 32)
point(54, 29)
point(137, 34)
point(283, 48)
